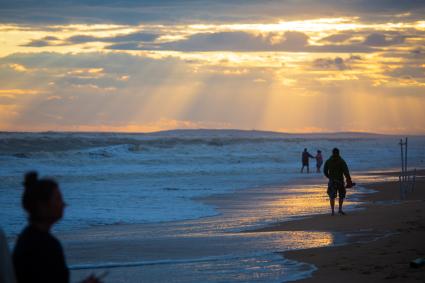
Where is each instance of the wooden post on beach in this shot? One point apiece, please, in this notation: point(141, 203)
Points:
point(401, 187)
point(407, 180)
point(405, 161)
point(412, 187)
point(402, 158)
point(403, 175)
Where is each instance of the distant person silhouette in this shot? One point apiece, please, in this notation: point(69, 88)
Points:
point(319, 160)
point(38, 256)
point(305, 160)
point(7, 274)
point(335, 169)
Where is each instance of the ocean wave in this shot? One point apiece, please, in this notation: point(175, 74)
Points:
point(20, 144)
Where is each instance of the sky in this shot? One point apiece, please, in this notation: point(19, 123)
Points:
point(143, 66)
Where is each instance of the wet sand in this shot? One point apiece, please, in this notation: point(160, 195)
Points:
point(385, 259)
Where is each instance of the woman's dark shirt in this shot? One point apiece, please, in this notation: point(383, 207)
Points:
point(38, 257)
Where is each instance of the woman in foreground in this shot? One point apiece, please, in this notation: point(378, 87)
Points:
point(38, 256)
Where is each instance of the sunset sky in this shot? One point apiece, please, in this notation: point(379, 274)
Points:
point(289, 66)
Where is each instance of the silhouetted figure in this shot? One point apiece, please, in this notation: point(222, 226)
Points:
point(38, 256)
point(335, 169)
point(319, 161)
point(7, 274)
point(305, 160)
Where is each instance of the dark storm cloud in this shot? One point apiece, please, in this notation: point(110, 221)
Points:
point(137, 11)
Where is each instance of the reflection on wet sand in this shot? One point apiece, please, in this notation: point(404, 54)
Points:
point(213, 248)
point(209, 246)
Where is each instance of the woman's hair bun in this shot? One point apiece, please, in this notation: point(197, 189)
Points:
point(31, 179)
point(37, 192)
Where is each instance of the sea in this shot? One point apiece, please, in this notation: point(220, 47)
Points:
point(192, 191)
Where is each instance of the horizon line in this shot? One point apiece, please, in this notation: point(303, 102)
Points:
point(217, 129)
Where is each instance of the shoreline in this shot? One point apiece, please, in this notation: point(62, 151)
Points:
point(393, 229)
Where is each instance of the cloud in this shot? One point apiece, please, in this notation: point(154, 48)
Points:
point(77, 39)
point(242, 41)
point(88, 89)
point(239, 41)
point(135, 12)
point(80, 87)
point(12, 93)
point(418, 52)
point(65, 73)
point(38, 43)
point(337, 38)
point(379, 39)
point(125, 46)
point(328, 63)
point(373, 40)
point(132, 37)
point(345, 48)
point(295, 40)
point(226, 41)
point(355, 58)
point(408, 72)
point(124, 40)
point(42, 42)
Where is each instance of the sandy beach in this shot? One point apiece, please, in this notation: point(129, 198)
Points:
point(400, 226)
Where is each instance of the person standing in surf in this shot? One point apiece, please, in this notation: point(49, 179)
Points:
point(319, 161)
point(335, 169)
point(305, 160)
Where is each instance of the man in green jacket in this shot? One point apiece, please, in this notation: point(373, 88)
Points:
point(335, 169)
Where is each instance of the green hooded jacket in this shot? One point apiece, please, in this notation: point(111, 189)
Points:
point(336, 168)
